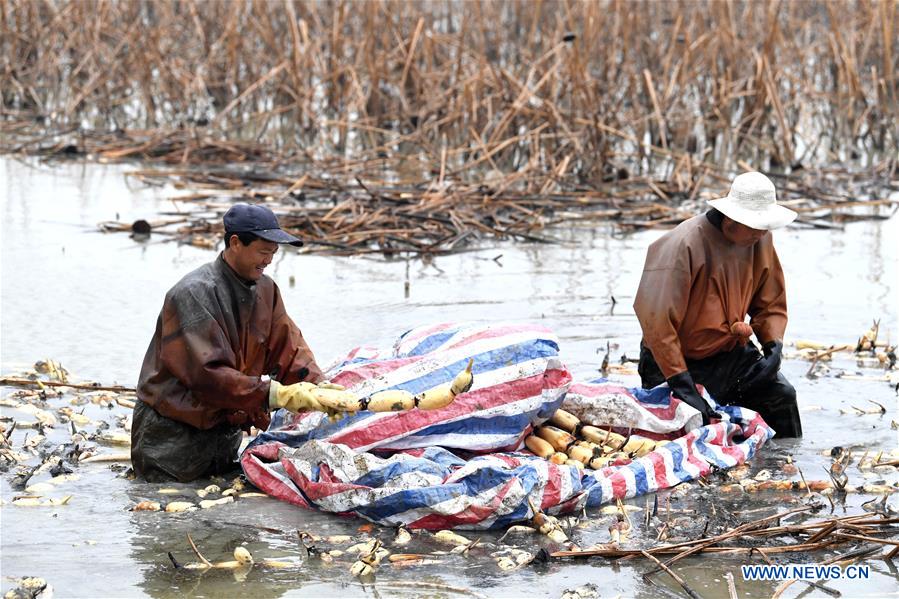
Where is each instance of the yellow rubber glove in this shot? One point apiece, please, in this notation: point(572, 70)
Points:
point(294, 398)
point(330, 385)
point(333, 416)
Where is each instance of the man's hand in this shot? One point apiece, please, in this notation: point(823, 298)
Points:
point(682, 386)
point(766, 368)
point(294, 398)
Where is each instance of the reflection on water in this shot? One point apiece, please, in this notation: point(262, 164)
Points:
point(90, 300)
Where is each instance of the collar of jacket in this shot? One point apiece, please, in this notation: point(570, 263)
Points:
point(714, 233)
point(226, 269)
point(244, 291)
point(716, 217)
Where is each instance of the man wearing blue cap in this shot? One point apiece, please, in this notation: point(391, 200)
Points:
point(224, 354)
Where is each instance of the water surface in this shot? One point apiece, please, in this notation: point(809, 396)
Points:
point(90, 300)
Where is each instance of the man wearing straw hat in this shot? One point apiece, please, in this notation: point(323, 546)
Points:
point(699, 283)
point(223, 342)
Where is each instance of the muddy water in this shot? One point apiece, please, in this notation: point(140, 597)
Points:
point(90, 300)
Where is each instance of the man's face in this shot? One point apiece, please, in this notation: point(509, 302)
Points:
point(248, 261)
point(740, 234)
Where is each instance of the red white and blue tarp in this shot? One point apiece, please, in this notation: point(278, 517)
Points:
point(458, 467)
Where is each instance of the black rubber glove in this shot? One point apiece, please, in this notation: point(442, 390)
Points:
point(766, 368)
point(683, 388)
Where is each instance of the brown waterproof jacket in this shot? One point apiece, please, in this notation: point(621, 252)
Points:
point(215, 337)
point(696, 284)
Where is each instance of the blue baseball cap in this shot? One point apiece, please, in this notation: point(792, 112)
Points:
point(258, 220)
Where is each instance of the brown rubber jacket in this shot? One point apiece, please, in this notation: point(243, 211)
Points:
point(696, 284)
point(216, 335)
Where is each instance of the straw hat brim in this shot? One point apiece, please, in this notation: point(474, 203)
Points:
point(774, 216)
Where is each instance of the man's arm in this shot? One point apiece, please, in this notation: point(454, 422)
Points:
point(660, 305)
point(290, 358)
point(768, 307)
point(195, 349)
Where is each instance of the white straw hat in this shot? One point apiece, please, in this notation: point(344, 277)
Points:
point(752, 201)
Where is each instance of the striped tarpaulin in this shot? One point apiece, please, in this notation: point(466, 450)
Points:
point(456, 467)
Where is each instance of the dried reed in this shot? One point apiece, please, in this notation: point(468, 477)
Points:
point(579, 90)
point(493, 117)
